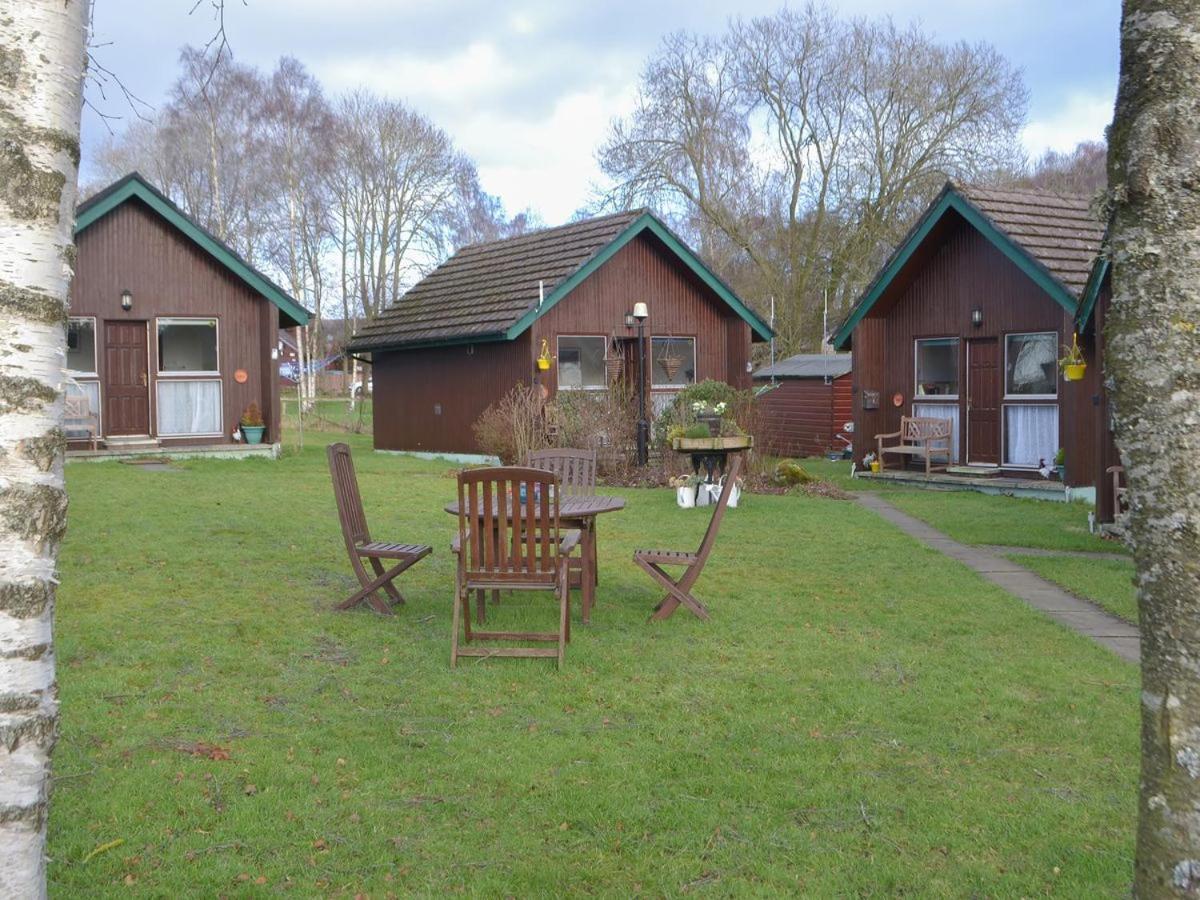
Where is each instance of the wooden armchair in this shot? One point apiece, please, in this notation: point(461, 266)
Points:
point(918, 437)
point(576, 471)
point(358, 539)
point(80, 419)
point(679, 591)
point(509, 538)
point(1120, 491)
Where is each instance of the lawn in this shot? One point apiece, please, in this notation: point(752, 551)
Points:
point(1107, 582)
point(861, 716)
point(330, 414)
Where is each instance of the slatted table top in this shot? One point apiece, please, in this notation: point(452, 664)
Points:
point(571, 506)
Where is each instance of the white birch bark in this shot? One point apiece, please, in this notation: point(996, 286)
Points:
point(41, 70)
point(1153, 359)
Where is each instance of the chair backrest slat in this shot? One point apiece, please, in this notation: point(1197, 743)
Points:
point(345, 491)
point(517, 532)
point(714, 524)
point(576, 469)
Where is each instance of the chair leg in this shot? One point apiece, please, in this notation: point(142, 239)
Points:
point(390, 588)
point(564, 614)
point(369, 587)
point(458, 604)
point(480, 607)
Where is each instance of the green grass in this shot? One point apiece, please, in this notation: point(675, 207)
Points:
point(331, 414)
point(1107, 582)
point(861, 716)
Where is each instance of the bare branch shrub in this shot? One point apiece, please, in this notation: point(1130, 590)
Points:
point(513, 426)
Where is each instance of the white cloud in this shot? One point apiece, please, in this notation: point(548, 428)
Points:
point(1081, 117)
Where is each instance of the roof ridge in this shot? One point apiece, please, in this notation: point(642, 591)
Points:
point(547, 229)
point(967, 187)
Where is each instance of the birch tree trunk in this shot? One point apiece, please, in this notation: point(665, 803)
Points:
point(41, 79)
point(1153, 338)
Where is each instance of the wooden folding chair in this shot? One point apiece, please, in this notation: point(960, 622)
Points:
point(358, 540)
point(679, 591)
point(509, 539)
point(576, 471)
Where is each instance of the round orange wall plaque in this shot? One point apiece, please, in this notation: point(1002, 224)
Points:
point(897, 399)
point(241, 376)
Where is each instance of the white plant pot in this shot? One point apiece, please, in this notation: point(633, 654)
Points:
point(685, 497)
point(704, 494)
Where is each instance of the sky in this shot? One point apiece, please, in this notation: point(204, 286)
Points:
point(528, 89)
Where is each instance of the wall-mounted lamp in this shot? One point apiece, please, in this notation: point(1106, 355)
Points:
point(977, 317)
point(126, 300)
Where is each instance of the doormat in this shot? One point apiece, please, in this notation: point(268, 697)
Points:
point(974, 471)
point(153, 463)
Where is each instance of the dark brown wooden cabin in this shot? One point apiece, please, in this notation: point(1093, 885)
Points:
point(1093, 313)
point(966, 321)
point(474, 327)
point(804, 403)
point(171, 333)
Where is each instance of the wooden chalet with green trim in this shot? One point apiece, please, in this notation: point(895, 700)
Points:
point(172, 334)
point(474, 327)
point(967, 320)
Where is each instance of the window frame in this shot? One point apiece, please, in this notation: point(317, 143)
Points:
point(1032, 398)
point(672, 337)
point(220, 382)
point(603, 339)
point(917, 396)
point(78, 374)
point(205, 374)
point(1004, 405)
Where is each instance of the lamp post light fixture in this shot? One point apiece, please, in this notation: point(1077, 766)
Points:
point(977, 317)
point(640, 314)
point(126, 300)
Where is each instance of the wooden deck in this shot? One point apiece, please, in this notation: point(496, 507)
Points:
point(1037, 488)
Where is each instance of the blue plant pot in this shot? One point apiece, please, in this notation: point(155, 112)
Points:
point(253, 434)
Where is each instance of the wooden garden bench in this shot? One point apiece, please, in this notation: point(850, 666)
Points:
point(1120, 492)
point(679, 591)
point(358, 539)
point(80, 422)
point(918, 436)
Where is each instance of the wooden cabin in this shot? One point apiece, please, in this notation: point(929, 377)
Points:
point(172, 335)
point(967, 320)
point(804, 403)
point(473, 328)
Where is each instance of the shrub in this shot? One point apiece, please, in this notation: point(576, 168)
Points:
point(252, 417)
point(791, 473)
point(604, 421)
point(696, 431)
point(512, 426)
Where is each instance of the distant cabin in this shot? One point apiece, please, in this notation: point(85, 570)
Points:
point(171, 335)
point(967, 320)
point(804, 403)
point(473, 328)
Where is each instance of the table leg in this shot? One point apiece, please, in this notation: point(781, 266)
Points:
point(588, 575)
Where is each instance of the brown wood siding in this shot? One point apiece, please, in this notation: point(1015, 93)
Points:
point(428, 399)
point(680, 306)
point(965, 271)
point(132, 248)
point(802, 416)
point(1105, 449)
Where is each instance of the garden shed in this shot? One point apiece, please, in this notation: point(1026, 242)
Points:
point(172, 335)
point(967, 320)
point(551, 308)
point(804, 403)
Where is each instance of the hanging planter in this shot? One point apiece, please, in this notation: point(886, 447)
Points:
point(1073, 365)
point(671, 365)
point(543, 360)
point(614, 365)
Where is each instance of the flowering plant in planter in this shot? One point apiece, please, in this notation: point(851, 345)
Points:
point(710, 415)
point(252, 424)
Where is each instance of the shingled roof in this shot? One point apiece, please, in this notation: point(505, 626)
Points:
point(493, 291)
point(1058, 230)
point(1053, 238)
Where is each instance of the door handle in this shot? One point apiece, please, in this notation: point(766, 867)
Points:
point(143, 377)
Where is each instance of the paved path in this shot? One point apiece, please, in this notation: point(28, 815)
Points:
point(1042, 551)
point(1067, 609)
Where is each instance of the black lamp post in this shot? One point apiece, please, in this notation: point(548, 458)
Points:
point(640, 315)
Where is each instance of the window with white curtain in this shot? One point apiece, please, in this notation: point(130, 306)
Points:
point(189, 407)
point(1030, 434)
point(942, 411)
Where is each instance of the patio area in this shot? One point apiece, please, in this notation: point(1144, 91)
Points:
point(1034, 488)
point(860, 715)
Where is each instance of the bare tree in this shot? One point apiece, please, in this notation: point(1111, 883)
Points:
point(1153, 359)
point(1082, 171)
point(798, 146)
point(42, 47)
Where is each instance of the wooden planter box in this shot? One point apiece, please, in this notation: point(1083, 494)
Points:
point(710, 444)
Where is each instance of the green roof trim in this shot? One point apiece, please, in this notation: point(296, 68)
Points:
point(645, 222)
point(1091, 292)
point(951, 199)
point(134, 185)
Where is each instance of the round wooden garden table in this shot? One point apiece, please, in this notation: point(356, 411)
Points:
point(575, 511)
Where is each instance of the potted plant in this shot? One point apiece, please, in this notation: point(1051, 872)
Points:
point(1073, 364)
point(543, 359)
point(871, 462)
point(685, 490)
point(252, 424)
point(1060, 463)
point(709, 415)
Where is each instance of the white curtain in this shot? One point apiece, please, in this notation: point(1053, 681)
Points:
point(189, 407)
point(942, 411)
point(1030, 435)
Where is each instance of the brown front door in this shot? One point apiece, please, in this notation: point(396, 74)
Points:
point(983, 401)
point(126, 391)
